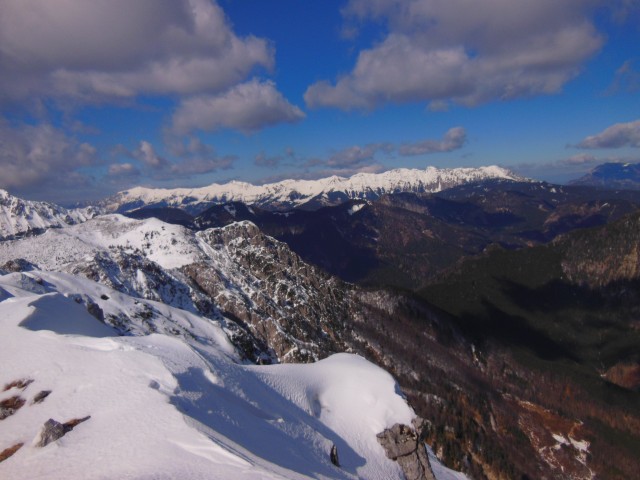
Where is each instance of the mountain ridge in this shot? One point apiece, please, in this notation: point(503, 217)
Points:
point(309, 194)
point(24, 217)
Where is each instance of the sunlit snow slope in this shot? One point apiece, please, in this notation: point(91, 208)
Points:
point(180, 406)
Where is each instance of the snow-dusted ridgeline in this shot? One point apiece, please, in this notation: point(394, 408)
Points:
point(293, 193)
point(236, 270)
point(19, 217)
point(175, 406)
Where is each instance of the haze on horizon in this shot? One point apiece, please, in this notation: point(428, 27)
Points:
point(100, 96)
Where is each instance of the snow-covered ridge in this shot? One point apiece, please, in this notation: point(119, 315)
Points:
point(235, 269)
point(293, 193)
point(161, 406)
point(19, 217)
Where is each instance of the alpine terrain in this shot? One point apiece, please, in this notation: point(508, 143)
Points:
point(489, 327)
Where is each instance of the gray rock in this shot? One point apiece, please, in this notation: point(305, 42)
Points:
point(40, 396)
point(51, 431)
point(333, 455)
point(403, 444)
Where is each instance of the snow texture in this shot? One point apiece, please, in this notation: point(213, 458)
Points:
point(19, 217)
point(164, 406)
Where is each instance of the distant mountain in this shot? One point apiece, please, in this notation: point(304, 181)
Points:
point(307, 194)
point(22, 217)
point(405, 239)
point(166, 214)
point(613, 175)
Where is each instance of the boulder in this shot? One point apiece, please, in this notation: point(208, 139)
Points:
point(404, 444)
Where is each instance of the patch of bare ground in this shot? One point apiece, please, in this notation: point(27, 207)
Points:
point(20, 384)
point(8, 452)
point(10, 406)
point(559, 441)
point(625, 375)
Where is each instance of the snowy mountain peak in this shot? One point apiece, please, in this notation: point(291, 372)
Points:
point(290, 193)
point(22, 217)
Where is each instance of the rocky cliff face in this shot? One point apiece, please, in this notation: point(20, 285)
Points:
point(299, 311)
point(275, 307)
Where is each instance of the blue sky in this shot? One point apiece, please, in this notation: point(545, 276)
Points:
point(103, 95)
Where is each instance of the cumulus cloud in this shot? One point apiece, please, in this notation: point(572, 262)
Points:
point(197, 158)
point(616, 136)
point(454, 139)
point(39, 156)
point(464, 51)
point(355, 156)
point(123, 170)
point(246, 107)
point(580, 159)
point(358, 158)
point(146, 154)
point(119, 48)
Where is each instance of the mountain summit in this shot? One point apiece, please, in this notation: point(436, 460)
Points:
point(22, 217)
point(306, 194)
point(624, 176)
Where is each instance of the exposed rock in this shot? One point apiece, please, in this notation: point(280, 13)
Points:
point(18, 265)
point(403, 444)
point(333, 455)
point(296, 309)
point(625, 375)
point(10, 406)
point(51, 431)
point(21, 384)
point(95, 310)
point(71, 424)
point(8, 452)
point(40, 396)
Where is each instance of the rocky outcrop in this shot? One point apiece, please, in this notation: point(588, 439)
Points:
point(8, 452)
point(10, 406)
point(404, 445)
point(52, 430)
point(296, 309)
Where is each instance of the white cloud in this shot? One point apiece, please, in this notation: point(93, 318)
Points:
point(123, 170)
point(146, 154)
point(465, 51)
point(454, 139)
point(616, 136)
point(354, 156)
point(36, 156)
point(246, 107)
point(197, 157)
point(120, 48)
point(580, 159)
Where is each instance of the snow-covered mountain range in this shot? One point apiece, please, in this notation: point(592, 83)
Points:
point(117, 363)
point(22, 217)
point(289, 194)
point(225, 274)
